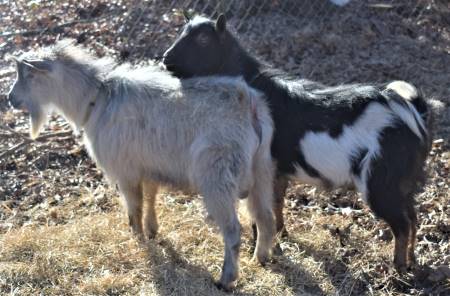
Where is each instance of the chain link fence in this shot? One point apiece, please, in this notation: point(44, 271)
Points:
point(243, 14)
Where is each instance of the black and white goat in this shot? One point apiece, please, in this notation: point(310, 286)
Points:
point(373, 137)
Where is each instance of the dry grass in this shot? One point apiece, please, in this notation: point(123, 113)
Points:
point(95, 254)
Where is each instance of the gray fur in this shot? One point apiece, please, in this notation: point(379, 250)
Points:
point(144, 127)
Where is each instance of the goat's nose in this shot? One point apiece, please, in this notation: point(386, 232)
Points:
point(166, 58)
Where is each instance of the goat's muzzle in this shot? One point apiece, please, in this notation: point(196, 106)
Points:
point(14, 102)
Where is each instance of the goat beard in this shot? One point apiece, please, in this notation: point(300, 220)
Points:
point(37, 120)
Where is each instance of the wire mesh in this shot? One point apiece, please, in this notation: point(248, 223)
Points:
point(241, 14)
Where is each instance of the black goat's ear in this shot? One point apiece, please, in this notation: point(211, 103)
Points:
point(38, 65)
point(221, 23)
point(187, 15)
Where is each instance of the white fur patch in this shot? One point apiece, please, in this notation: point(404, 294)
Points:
point(404, 89)
point(331, 157)
point(408, 115)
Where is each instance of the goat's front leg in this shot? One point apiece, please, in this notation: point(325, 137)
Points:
point(150, 218)
point(132, 193)
point(280, 186)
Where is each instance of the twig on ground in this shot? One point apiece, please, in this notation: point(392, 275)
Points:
point(24, 135)
point(26, 141)
point(6, 73)
point(13, 149)
point(58, 135)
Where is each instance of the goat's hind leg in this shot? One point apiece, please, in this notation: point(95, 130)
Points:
point(280, 186)
point(150, 218)
point(391, 208)
point(218, 185)
point(401, 234)
point(279, 192)
point(260, 203)
point(216, 173)
point(132, 194)
point(412, 234)
point(222, 209)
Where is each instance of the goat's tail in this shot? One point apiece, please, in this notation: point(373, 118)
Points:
point(409, 104)
point(253, 105)
point(261, 120)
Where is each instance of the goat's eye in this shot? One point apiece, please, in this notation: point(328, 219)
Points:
point(202, 39)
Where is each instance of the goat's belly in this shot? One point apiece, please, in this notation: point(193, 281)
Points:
point(173, 180)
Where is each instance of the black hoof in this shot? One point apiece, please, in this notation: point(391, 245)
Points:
point(401, 269)
point(222, 287)
point(151, 236)
point(277, 251)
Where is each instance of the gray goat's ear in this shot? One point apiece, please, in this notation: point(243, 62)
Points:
point(11, 58)
point(38, 65)
point(187, 15)
point(221, 23)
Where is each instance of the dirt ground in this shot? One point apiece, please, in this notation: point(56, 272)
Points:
point(63, 230)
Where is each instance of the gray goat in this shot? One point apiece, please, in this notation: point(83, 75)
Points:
point(145, 128)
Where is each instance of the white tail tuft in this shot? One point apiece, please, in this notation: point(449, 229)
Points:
point(408, 114)
point(404, 89)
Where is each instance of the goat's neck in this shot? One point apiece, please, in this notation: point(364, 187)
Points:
point(75, 99)
point(256, 73)
point(239, 63)
point(251, 67)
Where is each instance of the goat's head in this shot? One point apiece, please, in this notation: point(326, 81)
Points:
point(202, 49)
point(62, 77)
point(30, 90)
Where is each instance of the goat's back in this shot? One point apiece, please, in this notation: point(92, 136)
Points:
point(156, 128)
